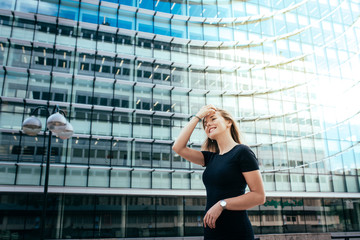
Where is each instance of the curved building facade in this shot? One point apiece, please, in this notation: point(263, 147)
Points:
point(129, 75)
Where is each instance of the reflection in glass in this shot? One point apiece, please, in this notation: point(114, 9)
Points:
point(88, 13)
point(141, 154)
point(161, 180)
point(145, 22)
point(141, 218)
point(161, 155)
point(142, 98)
point(103, 94)
point(45, 32)
point(110, 215)
point(179, 102)
point(74, 206)
point(69, 9)
point(42, 58)
point(178, 28)
point(86, 38)
point(197, 79)
point(63, 61)
point(180, 180)
point(19, 55)
point(39, 87)
point(121, 124)
point(120, 178)
point(120, 156)
point(107, 16)
point(98, 177)
point(126, 19)
point(293, 218)
point(141, 179)
point(315, 216)
point(334, 215)
point(15, 84)
point(169, 216)
point(143, 48)
point(26, 6)
point(66, 35)
point(106, 41)
point(99, 154)
point(48, 7)
point(352, 214)
point(81, 120)
point(162, 25)
point(124, 69)
point(179, 77)
point(162, 51)
point(194, 210)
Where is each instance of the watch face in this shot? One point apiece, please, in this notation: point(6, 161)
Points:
point(223, 203)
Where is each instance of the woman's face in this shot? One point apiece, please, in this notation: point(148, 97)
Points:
point(215, 124)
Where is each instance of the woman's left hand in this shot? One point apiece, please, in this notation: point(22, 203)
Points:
point(212, 215)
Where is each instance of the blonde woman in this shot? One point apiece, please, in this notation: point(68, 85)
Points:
point(230, 166)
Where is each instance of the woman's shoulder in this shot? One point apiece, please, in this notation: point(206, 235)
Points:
point(243, 150)
point(243, 147)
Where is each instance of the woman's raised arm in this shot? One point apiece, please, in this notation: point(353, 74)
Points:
point(180, 145)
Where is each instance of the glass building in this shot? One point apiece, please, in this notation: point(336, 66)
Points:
point(129, 74)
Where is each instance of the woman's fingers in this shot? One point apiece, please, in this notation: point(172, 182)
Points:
point(209, 221)
point(206, 110)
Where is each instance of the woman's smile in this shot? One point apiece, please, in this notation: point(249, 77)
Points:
point(211, 129)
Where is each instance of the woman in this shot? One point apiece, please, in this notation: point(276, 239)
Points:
point(230, 166)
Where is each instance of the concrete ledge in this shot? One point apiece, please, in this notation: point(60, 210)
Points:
point(286, 236)
point(296, 236)
point(148, 238)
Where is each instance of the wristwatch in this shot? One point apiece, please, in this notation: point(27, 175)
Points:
point(223, 204)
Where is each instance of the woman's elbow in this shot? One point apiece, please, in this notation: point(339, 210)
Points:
point(175, 148)
point(262, 199)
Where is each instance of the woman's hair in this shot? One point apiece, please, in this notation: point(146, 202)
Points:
point(211, 145)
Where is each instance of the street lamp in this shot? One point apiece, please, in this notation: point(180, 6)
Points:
point(56, 123)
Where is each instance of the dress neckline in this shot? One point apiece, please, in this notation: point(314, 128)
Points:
point(229, 150)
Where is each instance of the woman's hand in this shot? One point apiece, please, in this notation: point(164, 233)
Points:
point(212, 215)
point(206, 110)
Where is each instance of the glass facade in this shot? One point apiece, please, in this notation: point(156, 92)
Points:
point(129, 74)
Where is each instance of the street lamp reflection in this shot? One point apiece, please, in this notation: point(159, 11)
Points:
point(56, 123)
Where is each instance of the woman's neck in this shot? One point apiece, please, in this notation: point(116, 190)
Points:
point(225, 143)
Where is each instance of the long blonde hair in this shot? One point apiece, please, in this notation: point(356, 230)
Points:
point(211, 145)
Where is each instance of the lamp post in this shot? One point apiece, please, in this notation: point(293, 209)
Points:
point(56, 123)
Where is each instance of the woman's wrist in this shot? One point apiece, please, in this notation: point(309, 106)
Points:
point(197, 117)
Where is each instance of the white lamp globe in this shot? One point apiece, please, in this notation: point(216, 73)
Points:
point(31, 126)
point(67, 132)
point(56, 123)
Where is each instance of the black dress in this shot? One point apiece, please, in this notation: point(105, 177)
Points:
point(223, 179)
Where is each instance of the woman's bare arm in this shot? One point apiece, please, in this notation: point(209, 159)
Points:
point(255, 197)
point(180, 145)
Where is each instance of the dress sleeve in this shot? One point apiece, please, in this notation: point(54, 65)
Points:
point(207, 157)
point(248, 160)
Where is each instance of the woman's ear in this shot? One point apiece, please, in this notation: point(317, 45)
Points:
point(228, 123)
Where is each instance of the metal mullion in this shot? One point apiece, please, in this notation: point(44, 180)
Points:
point(53, 51)
point(88, 162)
point(20, 140)
point(324, 212)
point(111, 158)
point(171, 127)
